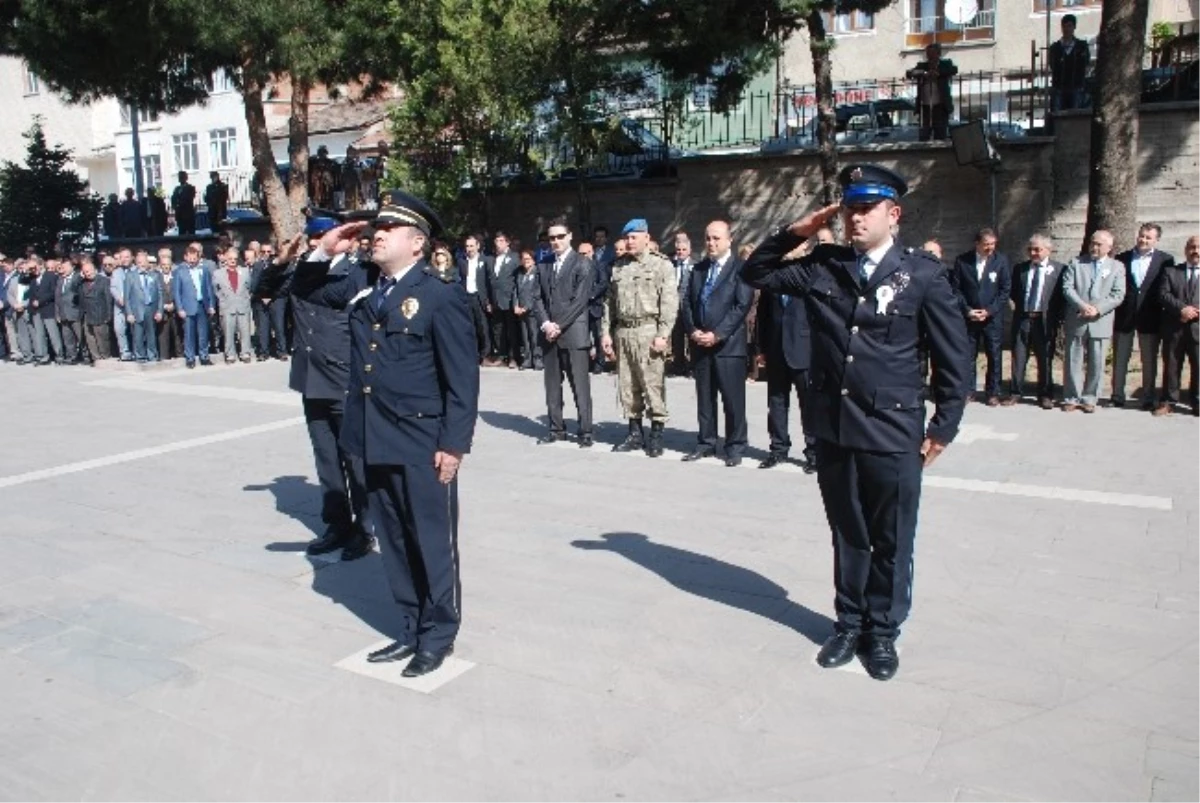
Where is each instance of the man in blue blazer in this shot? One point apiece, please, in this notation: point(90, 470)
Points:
point(983, 280)
point(192, 288)
point(144, 306)
point(714, 319)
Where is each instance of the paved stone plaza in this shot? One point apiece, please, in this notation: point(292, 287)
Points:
point(634, 628)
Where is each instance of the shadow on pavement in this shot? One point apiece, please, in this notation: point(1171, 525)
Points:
point(716, 580)
point(295, 497)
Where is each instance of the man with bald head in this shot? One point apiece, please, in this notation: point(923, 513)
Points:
point(1093, 287)
point(714, 311)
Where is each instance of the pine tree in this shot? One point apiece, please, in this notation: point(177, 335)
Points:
point(44, 203)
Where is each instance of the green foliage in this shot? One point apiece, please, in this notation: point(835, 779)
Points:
point(44, 202)
point(1160, 33)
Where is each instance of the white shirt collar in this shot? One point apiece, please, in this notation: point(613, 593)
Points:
point(876, 255)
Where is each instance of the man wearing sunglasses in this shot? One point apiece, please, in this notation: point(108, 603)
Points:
point(869, 307)
point(410, 416)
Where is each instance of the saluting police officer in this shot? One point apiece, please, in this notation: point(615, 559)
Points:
point(410, 415)
point(321, 373)
point(868, 307)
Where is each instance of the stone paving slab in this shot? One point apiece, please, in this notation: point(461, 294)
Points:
point(638, 629)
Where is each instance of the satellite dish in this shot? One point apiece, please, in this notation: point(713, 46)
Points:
point(961, 12)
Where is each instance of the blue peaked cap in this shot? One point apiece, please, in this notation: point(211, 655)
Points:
point(869, 184)
point(319, 225)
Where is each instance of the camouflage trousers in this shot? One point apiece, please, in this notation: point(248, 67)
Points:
point(641, 374)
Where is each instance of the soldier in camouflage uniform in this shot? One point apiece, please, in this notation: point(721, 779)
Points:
point(639, 314)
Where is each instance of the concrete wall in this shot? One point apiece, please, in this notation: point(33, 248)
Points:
point(1041, 185)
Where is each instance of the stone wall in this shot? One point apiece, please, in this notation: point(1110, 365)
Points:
point(1041, 184)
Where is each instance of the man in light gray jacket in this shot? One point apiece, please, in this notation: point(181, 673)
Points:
point(1093, 287)
point(231, 282)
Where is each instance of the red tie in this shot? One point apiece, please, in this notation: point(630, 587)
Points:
point(233, 278)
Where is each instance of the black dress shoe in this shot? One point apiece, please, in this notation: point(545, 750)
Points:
point(552, 437)
point(396, 651)
point(332, 540)
point(773, 459)
point(698, 454)
point(586, 442)
point(733, 461)
point(879, 657)
point(205, 361)
point(425, 662)
point(839, 650)
point(191, 363)
point(357, 547)
point(810, 464)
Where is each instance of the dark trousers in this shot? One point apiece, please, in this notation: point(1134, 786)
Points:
point(340, 474)
point(531, 349)
point(679, 349)
point(871, 501)
point(483, 336)
point(781, 381)
point(186, 221)
point(1033, 335)
point(170, 336)
point(1178, 347)
point(97, 337)
point(599, 361)
point(195, 336)
point(72, 337)
point(270, 321)
point(989, 334)
point(727, 376)
point(416, 520)
point(573, 363)
point(935, 122)
point(505, 335)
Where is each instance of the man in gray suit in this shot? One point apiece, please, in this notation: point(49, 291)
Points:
point(560, 309)
point(231, 283)
point(143, 297)
point(66, 307)
point(1092, 289)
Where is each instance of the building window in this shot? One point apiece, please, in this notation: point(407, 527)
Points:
point(151, 172)
point(222, 148)
point(1039, 6)
point(187, 152)
point(144, 117)
point(33, 86)
point(848, 21)
point(222, 81)
point(945, 21)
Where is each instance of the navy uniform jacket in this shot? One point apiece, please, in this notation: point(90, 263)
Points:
point(321, 333)
point(865, 379)
point(725, 313)
point(414, 369)
point(783, 332)
point(991, 293)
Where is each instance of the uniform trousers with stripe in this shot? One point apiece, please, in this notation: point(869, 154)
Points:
point(871, 501)
point(416, 522)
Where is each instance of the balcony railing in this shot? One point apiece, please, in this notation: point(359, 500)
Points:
point(937, 28)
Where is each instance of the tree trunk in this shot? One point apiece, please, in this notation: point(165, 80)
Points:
point(819, 46)
point(1112, 170)
point(297, 189)
point(283, 224)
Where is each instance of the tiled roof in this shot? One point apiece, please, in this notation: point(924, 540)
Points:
point(342, 116)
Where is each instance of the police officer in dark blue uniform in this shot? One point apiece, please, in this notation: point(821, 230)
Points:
point(410, 415)
point(321, 373)
point(868, 308)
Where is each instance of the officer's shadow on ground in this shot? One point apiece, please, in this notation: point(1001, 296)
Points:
point(294, 497)
point(605, 433)
point(716, 580)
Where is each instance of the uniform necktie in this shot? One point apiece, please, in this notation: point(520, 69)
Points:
point(863, 274)
point(384, 287)
point(785, 300)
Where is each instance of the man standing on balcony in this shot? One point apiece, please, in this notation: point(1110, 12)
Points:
point(934, 101)
point(216, 198)
point(1069, 59)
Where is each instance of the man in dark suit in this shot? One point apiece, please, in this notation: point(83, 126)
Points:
point(786, 343)
point(934, 99)
point(983, 280)
point(410, 415)
point(714, 318)
point(96, 307)
point(1037, 298)
point(183, 203)
point(501, 278)
point(320, 373)
point(66, 305)
point(1069, 59)
point(472, 269)
point(216, 198)
point(1179, 293)
point(869, 307)
point(42, 295)
point(560, 309)
point(1140, 315)
point(683, 262)
point(195, 301)
point(601, 279)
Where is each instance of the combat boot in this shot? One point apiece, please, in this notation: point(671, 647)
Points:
point(633, 440)
point(654, 447)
